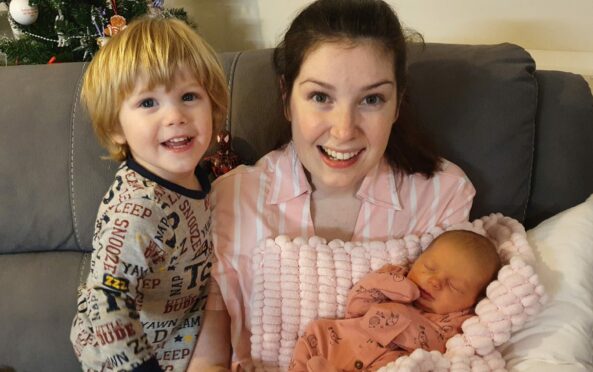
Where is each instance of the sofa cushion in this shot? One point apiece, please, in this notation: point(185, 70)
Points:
point(256, 118)
point(36, 311)
point(564, 155)
point(35, 209)
point(479, 104)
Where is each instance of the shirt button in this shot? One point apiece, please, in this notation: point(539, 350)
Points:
point(358, 364)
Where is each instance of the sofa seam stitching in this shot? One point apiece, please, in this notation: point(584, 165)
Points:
point(533, 140)
point(230, 84)
point(72, 155)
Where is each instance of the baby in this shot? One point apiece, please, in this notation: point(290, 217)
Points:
point(392, 312)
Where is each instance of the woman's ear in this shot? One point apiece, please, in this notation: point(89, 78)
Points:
point(284, 95)
point(287, 111)
point(400, 101)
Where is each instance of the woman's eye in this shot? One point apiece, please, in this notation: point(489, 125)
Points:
point(428, 267)
point(147, 103)
point(372, 100)
point(319, 98)
point(189, 97)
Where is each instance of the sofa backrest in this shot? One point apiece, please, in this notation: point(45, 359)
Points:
point(518, 133)
point(523, 137)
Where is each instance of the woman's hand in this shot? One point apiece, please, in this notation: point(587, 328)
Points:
point(198, 366)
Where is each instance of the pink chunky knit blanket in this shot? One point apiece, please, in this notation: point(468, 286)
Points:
point(300, 280)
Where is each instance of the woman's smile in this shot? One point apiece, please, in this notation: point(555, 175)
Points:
point(339, 159)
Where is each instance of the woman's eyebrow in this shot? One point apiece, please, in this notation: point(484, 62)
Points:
point(378, 84)
point(331, 87)
point(317, 82)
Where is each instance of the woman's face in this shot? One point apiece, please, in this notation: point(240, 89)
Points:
point(342, 106)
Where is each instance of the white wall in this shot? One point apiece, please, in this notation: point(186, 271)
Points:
point(559, 34)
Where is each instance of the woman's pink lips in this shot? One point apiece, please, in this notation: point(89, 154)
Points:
point(339, 164)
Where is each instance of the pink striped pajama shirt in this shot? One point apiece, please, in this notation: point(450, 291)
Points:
point(273, 198)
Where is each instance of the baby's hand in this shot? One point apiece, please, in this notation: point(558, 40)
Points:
point(391, 268)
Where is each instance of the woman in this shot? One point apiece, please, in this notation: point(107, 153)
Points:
point(352, 171)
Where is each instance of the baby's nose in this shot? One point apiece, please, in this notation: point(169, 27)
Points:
point(434, 282)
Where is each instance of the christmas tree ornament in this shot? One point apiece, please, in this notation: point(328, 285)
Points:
point(23, 13)
point(225, 158)
point(95, 13)
point(116, 24)
point(102, 41)
point(62, 41)
point(16, 32)
point(85, 45)
point(59, 26)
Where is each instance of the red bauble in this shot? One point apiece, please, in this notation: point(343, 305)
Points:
point(224, 159)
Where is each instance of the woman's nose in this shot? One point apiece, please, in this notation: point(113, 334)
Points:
point(343, 126)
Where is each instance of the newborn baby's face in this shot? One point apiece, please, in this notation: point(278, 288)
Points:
point(448, 280)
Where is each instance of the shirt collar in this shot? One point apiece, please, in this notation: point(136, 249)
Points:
point(286, 174)
point(379, 187)
point(288, 180)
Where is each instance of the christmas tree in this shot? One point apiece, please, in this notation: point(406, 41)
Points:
point(48, 31)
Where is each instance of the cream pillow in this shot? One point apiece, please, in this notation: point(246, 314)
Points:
point(560, 338)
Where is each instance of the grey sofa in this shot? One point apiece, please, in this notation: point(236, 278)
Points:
point(524, 137)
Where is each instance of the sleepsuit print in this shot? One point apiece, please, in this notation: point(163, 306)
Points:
point(252, 203)
point(142, 304)
point(380, 325)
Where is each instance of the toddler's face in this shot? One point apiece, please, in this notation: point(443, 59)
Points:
point(167, 130)
point(448, 280)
